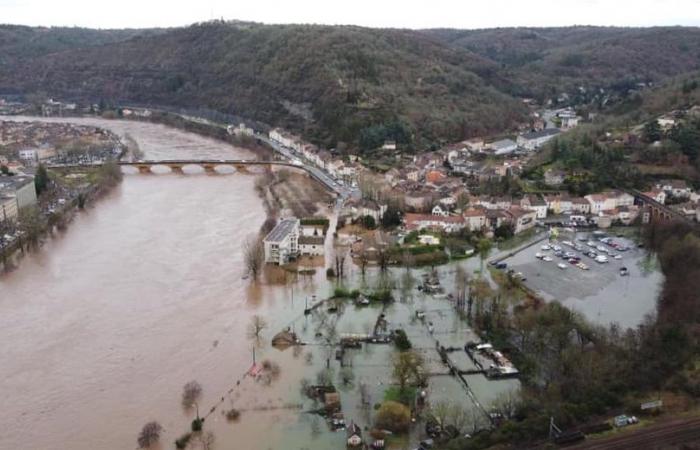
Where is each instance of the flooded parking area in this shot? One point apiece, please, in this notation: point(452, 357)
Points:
point(623, 289)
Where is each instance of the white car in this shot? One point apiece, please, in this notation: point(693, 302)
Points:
point(547, 258)
point(562, 266)
point(546, 247)
point(601, 259)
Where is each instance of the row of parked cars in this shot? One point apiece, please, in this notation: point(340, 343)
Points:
point(599, 250)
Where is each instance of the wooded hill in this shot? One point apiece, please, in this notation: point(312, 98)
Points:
point(343, 86)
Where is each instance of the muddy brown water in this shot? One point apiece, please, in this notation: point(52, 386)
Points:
point(144, 292)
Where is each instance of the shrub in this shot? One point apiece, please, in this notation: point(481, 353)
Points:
point(393, 416)
point(182, 441)
point(368, 222)
point(197, 424)
point(401, 340)
point(233, 414)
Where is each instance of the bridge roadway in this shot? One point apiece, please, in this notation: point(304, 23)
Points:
point(209, 165)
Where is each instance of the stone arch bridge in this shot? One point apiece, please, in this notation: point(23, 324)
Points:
point(210, 165)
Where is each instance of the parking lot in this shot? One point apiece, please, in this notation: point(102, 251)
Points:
point(599, 290)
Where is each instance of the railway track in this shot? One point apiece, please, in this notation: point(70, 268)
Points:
point(667, 435)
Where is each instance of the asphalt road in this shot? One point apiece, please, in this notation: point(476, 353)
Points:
point(343, 191)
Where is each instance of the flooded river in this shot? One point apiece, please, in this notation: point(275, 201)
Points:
point(144, 292)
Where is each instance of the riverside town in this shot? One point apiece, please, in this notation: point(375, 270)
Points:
point(238, 235)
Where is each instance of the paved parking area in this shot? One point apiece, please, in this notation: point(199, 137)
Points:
point(601, 293)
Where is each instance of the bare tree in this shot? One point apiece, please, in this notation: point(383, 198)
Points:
point(149, 435)
point(256, 326)
point(254, 255)
point(461, 286)
point(455, 415)
point(507, 403)
point(191, 393)
point(363, 258)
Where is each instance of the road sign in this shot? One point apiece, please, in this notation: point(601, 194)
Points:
point(652, 405)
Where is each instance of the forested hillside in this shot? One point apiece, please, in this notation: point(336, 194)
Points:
point(348, 86)
point(542, 62)
point(22, 42)
point(333, 83)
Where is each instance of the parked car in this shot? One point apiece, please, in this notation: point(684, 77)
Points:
point(624, 420)
point(501, 265)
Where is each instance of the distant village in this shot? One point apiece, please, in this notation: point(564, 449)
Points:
point(26, 145)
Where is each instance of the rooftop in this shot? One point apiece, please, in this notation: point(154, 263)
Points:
point(13, 183)
point(282, 230)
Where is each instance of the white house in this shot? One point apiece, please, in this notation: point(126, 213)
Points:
point(438, 211)
point(282, 243)
point(535, 203)
point(657, 195)
point(363, 207)
point(675, 188)
point(597, 202)
point(28, 154)
point(312, 245)
point(522, 219)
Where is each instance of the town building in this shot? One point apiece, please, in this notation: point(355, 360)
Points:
point(447, 224)
point(522, 219)
point(503, 146)
point(535, 139)
point(282, 243)
point(656, 195)
point(675, 188)
point(16, 193)
point(364, 207)
point(475, 219)
point(312, 245)
point(535, 203)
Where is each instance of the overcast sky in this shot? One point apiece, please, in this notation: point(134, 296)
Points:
point(374, 13)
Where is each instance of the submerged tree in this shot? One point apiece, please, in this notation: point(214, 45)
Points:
point(254, 255)
point(149, 435)
point(191, 393)
point(256, 326)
